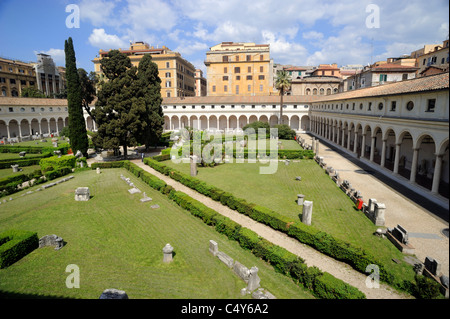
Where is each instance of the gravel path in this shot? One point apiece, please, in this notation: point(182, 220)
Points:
point(312, 257)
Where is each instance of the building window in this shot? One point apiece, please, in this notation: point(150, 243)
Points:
point(253, 106)
point(370, 106)
point(295, 106)
point(249, 88)
point(237, 89)
point(33, 109)
point(261, 69)
point(32, 83)
point(261, 88)
point(225, 70)
point(167, 64)
point(249, 77)
point(225, 78)
point(168, 94)
point(383, 77)
point(193, 106)
point(237, 70)
point(214, 88)
point(274, 106)
point(11, 109)
point(2, 80)
point(261, 58)
point(249, 69)
point(424, 61)
point(328, 91)
point(410, 105)
point(238, 77)
point(12, 81)
point(308, 91)
point(3, 92)
point(14, 93)
point(261, 77)
point(167, 74)
point(225, 88)
point(242, 106)
point(222, 106)
point(203, 106)
point(315, 92)
point(361, 106)
point(404, 77)
point(430, 105)
point(249, 57)
point(353, 107)
point(393, 106)
point(225, 58)
point(380, 106)
point(212, 106)
point(237, 58)
point(322, 91)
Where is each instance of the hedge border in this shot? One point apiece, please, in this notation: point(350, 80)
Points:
point(16, 244)
point(321, 284)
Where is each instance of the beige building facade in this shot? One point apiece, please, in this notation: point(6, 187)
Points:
point(239, 69)
point(176, 73)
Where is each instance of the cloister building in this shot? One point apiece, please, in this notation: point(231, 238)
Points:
point(398, 129)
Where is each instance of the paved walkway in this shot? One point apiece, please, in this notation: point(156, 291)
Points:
point(425, 228)
point(311, 256)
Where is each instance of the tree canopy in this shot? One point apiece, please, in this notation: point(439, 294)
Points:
point(282, 83)
point(128, 110)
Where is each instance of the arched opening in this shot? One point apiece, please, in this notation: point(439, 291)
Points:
point(184, 122)
point(389, 152)
point(232, 122)
point(426, 161)
point(295, 123)
point(273, 120)
point(194, 122)
point(223, 123)
point(166, 123)
point(3, 130)
point(242, 121)
point(252, 119)
point(25, 128)
point(213, 122)
point(175, 122)
point(264, 119)
point(203, 123)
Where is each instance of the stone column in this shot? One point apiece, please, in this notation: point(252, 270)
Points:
point(348, 139)
point(253, 280)
point(307, 212)
point(397, 158)
point(300, 198)
point(383, 154)
point(412, 177)
point(193, 165)
point(20, 131)
point(30, 130)
point(40, 129)
point(317, 147)
point(363, 145)
point(355, 143)
point(343, 137)
point(372, 148)
point(437, 174)
point(313, 146)
point(7, 130)
point(167, 250)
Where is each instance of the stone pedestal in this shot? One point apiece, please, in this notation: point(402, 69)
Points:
point(167, 250)
point(51, 240)
point(380, 209)
point(193, 165)
point(213, 248)
point(300, 198)
point(15, 168)
point(82, 194)
point(307, 212)
point(253, 279)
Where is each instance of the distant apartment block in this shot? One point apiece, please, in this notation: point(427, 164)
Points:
point(42, 75)
point(243, 69)
point(177, 74)
point(200, 83)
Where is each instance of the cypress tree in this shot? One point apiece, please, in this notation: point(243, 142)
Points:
point(77, 126)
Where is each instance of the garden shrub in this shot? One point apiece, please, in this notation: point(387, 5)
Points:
point(58, 173)
point(15, 245)
point(57, 162)
point(328, 287)
point(426, 288)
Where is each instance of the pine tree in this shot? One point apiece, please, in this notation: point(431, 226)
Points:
point(77, 126)
point(128, 110)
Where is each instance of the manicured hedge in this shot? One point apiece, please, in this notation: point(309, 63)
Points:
point(15, 244)
point(34, 149)
point(22, 162)
point(55, 162)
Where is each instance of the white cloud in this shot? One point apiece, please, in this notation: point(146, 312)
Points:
point(100, 39)
point(58, 56)
point(186, 49)
point(283, 51)
point(150, 14)
point(98, 12)
point(312, 35)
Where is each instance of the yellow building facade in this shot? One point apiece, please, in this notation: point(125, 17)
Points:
point(239, 69)
point(177, 74)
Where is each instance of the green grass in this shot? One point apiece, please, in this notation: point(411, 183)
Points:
point(7, 172)
point(333, 211)
point(12, 156)
point(116, 241)
point(39, 143)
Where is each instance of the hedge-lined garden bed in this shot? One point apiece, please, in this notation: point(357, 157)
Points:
point(15, 244)
point(336, 248)
point(323, 285)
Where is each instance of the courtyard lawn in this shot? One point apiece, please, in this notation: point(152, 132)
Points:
point(7, 172)
point(116, 241)
point(333, 211)
point(14, 156)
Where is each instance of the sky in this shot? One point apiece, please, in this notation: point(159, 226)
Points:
point(300, 32)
